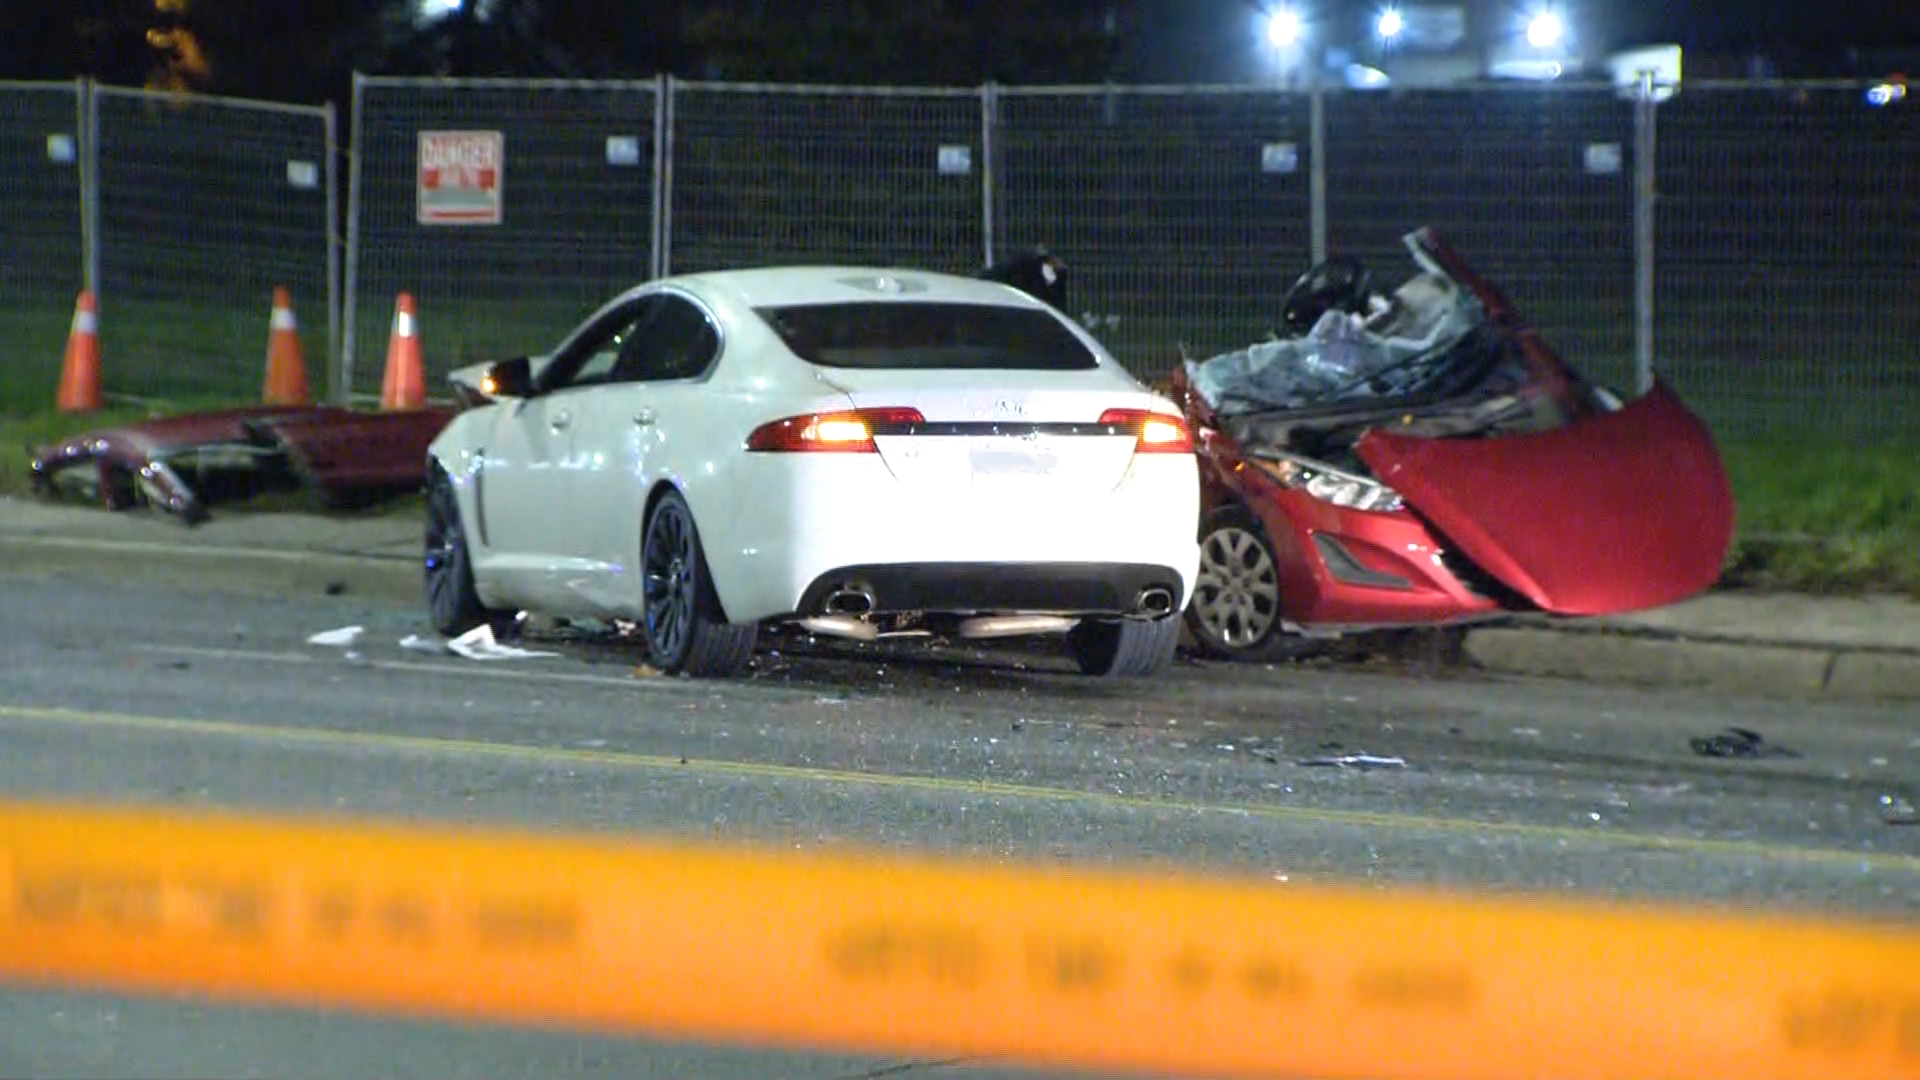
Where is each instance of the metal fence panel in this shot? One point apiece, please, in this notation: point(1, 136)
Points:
point(1533, 187)
point(40, 236)
point(767, 175)
point(1182, 214)
point(576, 199)
point(1788, 259)
point(205, 206)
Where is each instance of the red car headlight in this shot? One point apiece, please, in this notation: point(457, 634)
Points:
point(1328, 484)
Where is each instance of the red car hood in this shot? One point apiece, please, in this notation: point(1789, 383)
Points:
point(1616, 512)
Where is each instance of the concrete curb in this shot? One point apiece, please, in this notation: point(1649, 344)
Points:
point(1656, 659)
point(1752, 668)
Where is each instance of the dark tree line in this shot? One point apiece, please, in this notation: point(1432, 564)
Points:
point(306, 50)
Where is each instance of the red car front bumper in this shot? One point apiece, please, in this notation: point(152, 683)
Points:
point(1342, 568)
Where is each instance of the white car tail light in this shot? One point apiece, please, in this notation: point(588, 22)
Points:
point(1153, 432)
point(848, 432)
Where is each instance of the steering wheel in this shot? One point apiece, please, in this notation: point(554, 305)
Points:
point(1339, 282)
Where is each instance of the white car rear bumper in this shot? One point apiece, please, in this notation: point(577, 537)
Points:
point(795, 527)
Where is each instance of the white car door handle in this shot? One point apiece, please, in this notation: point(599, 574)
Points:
point(558, 421)
point(643, 418)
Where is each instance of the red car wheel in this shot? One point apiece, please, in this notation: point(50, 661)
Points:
point(1235, 612)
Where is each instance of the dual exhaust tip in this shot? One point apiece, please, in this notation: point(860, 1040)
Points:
point(1154, 600)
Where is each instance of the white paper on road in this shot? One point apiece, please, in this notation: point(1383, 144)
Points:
point(340, 638)
point(479, 644)
point(1357, 761)
point(420, 644)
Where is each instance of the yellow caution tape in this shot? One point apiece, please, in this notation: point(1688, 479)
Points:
point(1044, 966)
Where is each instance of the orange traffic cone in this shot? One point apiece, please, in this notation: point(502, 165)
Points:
point(286, 368)
point(406, 379)
point(80, 371)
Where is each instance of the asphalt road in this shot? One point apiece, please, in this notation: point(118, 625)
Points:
point(156, 695)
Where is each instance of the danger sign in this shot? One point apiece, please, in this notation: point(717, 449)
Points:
point(459, 177)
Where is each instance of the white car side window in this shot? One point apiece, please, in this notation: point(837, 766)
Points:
point(597, 354)
point(678, 342)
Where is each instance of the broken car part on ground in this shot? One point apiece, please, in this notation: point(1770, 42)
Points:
point(185, 464)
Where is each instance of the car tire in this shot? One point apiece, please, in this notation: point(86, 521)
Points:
point(453, 602)
point(685, 630)
point(1235, 612)
point(1124, 648)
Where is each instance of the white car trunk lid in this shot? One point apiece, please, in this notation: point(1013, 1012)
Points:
point(1000, 430)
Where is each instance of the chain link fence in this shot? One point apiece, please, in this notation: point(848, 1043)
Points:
point(41, 248)
point(1787, 217)
point(1788, 259)
point(205, 206)
point(1533, 187)
point(574, 187)
point(768, 175)
point(1183, 213)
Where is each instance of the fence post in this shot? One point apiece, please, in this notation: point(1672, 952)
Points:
point(337, 384)
point(1644, 194)
point(989, 186)
point(663, 175)
point(89, 189)
point(1317, 170)
point(351, 287)
point(658, 263)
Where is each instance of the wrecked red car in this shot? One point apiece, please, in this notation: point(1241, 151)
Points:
point(1421, 457)
point(185, 464)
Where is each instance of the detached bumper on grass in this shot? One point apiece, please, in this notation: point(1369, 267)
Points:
point(185, 464)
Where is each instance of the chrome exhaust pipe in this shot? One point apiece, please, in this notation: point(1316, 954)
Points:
point(1155, 601)
point(843, 626)
point(994, 626)
point(849, 602)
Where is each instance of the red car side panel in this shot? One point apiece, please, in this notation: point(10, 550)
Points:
point(341, 452)
point(1616, 512)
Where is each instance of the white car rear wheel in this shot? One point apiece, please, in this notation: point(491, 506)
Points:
point(685, 629)
point(1124, 648)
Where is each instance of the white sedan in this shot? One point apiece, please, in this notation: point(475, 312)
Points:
point(860, 451)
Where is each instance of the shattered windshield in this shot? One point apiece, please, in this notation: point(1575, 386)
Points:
point(1400, 345)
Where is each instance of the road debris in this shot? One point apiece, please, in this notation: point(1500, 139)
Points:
point(479, 644)
point(187, 463)
point(1355, 761)
point(1736, 742)
point(338, 639)
point(420, 644)
point(1898, 810)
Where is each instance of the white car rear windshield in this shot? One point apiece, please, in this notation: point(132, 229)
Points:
point(929, 336)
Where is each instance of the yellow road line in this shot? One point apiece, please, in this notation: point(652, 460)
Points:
point(619, 759)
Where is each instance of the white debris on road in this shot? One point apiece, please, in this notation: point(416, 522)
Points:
point(340, 639)
point(1357, 761)
point(479, 644)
